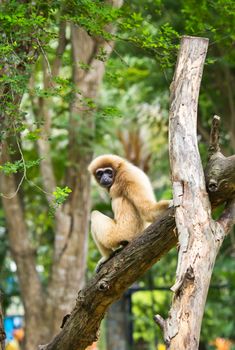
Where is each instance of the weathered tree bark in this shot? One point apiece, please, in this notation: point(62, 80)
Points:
point(199, 236)
point(120, 272)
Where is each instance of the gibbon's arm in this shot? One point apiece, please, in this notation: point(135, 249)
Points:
point(145, 204)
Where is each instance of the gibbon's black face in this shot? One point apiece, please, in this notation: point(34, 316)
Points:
point(105, 176)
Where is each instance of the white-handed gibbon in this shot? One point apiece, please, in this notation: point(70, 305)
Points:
point(133, 203)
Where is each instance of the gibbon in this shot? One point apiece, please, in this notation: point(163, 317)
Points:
point(133, 204)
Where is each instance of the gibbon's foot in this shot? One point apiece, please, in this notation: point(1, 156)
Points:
point(123, 244)
point(103, 260)
point(101, 263)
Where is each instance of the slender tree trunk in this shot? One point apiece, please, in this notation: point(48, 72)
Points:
point(24, 257)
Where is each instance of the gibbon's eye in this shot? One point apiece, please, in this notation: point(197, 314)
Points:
point(99, 173)
point(109, 171)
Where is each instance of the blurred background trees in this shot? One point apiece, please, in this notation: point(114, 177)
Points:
point(83, 96)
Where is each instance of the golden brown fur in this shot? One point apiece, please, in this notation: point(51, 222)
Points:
point(133, 203)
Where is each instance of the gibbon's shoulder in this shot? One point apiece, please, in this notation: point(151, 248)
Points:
point(106, 160)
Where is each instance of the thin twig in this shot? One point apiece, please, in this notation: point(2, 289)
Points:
point(24, 177)
point(24, 167)
point(46, 59)
point(117, 53)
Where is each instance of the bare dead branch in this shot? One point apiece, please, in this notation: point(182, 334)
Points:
point(161, 322)
point(220, 170)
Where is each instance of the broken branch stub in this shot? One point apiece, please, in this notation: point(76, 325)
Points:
point(220, 170)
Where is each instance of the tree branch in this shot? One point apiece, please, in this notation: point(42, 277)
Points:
point(109, 284)
point(220, 170)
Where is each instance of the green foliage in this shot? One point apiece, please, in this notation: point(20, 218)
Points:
point(93, 16)
point(19, 165)
point(61, 194)
point(59, 197)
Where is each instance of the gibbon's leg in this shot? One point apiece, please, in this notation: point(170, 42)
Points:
point(100, 224)
point(101, 227)
point(110, 234)
point(105, 252)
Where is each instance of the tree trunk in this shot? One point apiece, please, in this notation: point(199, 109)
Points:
point(24, 257)
point(199, 236)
